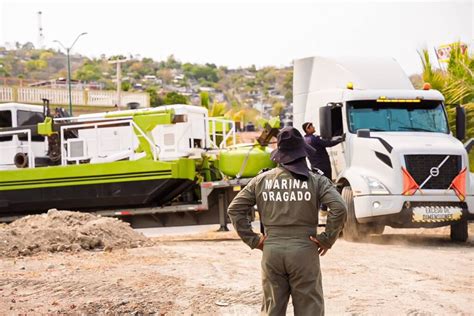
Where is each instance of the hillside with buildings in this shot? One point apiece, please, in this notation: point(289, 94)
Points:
point(244, 94)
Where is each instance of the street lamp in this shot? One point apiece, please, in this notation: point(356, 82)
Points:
point(68, 49)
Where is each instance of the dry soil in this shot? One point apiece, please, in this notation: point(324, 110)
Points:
point(403, 272)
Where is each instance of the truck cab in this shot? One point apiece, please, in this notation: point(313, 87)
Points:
point(15, 115)
point(399, 164)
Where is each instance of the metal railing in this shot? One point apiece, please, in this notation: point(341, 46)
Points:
point(213, 133)
point(105, 122)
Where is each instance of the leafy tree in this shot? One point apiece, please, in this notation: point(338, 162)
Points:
point(175, 98)
point(155, 99)
point(223, 69)
point(126, 86)
point(217, 109)
point(148, 61)
point(172, 63)
point(34, 54)
point(433, 76)
point(88, 72)
point(117, 57)
point(165, 75)
point(33, 65)
point(141, 69)
point(3, 71)
point(45, 55)
point(235, 104)
point(288, 76)
point(204, 99)
point(207, 72)
point(187, 68)
point(244, 115)
point(456, 83)
point(288, 86)
point(289, 96)
point(250, 83)
point(277, 107)
point(28, 46)
point(108, 84)
point(136, 67)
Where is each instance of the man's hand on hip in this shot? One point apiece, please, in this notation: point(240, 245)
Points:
point(321, 249)
point(261, 242)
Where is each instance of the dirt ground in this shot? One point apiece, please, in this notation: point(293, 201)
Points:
point(416, 272)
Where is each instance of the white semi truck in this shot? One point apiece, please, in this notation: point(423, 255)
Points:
point(399, 164)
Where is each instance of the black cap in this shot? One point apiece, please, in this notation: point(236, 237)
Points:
point(305, 125)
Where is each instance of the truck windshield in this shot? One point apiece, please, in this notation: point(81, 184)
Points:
point(426, 116)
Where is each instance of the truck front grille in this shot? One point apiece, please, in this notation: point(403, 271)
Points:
point(421, 167)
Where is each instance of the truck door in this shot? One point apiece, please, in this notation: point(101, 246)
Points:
point(331, 125)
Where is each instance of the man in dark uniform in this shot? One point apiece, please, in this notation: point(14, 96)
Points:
point(287, 198)
point(319, 158)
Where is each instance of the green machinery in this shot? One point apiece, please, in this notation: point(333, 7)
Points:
point(154, 162)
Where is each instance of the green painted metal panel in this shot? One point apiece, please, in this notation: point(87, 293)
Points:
point(184, 169)
point(250, 160)
point(46, 128)
point(147, 123)
point(218, 126)
point(120, 171)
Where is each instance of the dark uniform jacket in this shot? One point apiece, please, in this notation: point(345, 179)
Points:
point(286, 203)
point(320, 158)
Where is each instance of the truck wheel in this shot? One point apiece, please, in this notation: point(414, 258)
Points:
point(352, 231)
point(459, 231)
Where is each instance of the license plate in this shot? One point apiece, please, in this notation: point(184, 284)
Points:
point(436, 213)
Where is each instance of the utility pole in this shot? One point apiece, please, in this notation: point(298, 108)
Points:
point(40, 32)
point(119, 79)
point(68, 50)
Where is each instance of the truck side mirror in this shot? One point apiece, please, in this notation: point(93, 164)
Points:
point(363, 133)
point(469, 144)
point(460, 122)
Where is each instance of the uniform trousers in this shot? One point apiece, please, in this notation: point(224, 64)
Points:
point(290, 266)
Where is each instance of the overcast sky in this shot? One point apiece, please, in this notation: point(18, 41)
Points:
point(245, 32)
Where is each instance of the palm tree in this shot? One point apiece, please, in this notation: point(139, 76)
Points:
point(456, 83)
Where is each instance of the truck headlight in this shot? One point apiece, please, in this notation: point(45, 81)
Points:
point(375, 186)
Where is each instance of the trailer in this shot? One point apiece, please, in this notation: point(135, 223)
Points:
point(165, 166)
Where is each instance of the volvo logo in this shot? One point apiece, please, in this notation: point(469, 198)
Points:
point(434, 171)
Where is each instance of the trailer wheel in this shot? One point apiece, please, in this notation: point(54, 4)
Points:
point(459, 231)
point(352, 231)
